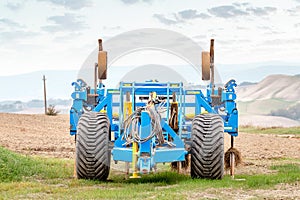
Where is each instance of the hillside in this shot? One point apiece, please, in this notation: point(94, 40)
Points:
point(270, 102)
point(283, 87)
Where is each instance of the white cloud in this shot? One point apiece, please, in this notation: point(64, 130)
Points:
point(12, 32)
point(237, 10)
point(192, 14)
point(261, 11)
point(227, 11)
point(5, 22)
point(15, 5)
point(164, 20)
point(70, 4)
point(130, 2)
point(294, 11)
point(66, 22)
point(181, 17)
point(11, 36)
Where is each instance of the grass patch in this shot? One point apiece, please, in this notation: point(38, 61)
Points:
point(34, 178)
point(271, 130)
point(16, 167)
point(286, 173)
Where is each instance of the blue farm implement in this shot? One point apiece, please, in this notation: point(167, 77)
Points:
point(152, 125)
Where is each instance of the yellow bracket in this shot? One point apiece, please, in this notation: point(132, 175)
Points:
point(127, 109)
point(154, 95)
point(102, 111)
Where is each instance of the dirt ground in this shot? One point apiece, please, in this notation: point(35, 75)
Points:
point(37, 134)
point(49, 136)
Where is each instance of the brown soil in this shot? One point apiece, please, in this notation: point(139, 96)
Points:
point(37, 134)
point(49, 136)
point(237, 158)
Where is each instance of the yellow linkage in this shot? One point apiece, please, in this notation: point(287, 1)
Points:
point(127, 112)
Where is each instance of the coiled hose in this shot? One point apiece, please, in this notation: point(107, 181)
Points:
point(131, 132)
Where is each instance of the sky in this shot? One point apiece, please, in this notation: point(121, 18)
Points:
point(60, 34)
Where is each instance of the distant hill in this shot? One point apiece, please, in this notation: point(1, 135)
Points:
point(276, 95)
point(283, 87)
point(246, 83)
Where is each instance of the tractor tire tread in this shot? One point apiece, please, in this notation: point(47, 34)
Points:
point(92, 147)
point(207, 151)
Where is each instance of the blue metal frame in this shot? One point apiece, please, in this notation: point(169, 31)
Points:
point(154, 153)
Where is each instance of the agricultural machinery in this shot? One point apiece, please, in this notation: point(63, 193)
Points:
point(146, 123)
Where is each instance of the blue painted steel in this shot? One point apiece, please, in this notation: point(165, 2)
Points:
point(161, 155)
point(74, 116)
point(176, 140)
point(122, 154)
point(146, 130)
point(79, 96)
point(203, 103)
point(145, 163)
point(181, 117)
point(105, 102)
point(231, 119)
point(168, 100)
point(155, 153)
point(169, 155)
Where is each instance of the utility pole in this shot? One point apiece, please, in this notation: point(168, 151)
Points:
point(45, 96)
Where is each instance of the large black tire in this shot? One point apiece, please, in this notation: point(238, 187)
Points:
point(207, 151)
point(92, 146)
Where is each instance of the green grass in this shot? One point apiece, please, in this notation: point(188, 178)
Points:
point(36, 178)
point(286, 173)
point(16, 167)
point(271, 130)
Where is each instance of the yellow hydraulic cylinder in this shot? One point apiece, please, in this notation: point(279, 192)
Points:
point(127, 111)
point(134, 160)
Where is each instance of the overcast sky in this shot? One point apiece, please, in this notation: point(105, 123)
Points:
point(60, 34)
